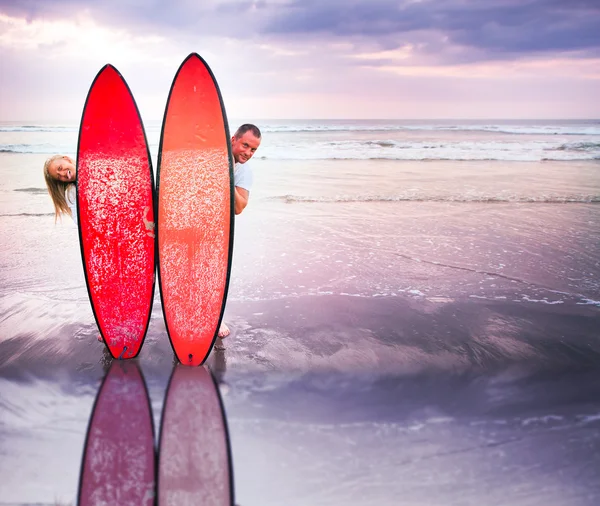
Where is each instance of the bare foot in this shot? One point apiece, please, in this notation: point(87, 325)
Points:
point(223, 331)
point(100, 337)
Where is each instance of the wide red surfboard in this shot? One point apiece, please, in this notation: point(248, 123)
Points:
point(194, 458)
point(194, 211)
point(119, 461)
point(115, 213)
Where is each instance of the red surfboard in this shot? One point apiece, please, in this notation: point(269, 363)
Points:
point(194, 211)
point(119, 461)
point(116, 214)
point(194, 458)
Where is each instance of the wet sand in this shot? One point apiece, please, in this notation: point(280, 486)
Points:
point(335, 399)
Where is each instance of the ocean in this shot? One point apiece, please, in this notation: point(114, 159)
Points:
point(415, 315)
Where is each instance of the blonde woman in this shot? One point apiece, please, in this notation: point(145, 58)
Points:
point(60, 174)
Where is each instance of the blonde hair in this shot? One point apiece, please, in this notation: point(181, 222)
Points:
point(57, 189)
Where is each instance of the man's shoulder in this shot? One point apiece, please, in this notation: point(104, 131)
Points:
point(243, 168)
point(245, 165)
point(243, 176)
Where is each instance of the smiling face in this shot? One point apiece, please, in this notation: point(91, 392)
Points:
point(244, 148)
point(63, 169)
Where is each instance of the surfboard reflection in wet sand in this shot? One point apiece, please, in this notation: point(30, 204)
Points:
point(194, 455)
point(119, 461)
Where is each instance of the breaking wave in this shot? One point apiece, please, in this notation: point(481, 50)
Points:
point(37, 128)
point(591, 128)
point(569, 199)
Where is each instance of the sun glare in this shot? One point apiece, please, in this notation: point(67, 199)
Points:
point(75, 38)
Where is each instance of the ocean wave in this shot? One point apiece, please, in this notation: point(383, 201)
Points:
point(36, 149)
point(531, 130)
point(38, 128)
point(35, 191)
point(48, 148)
point(579, 146)
point(446, 150)
point(591, 128)
point(383, 144)
point(418, 157)
point(585, 129)
point(589, 302)
point(568, 199)
point(35, 215)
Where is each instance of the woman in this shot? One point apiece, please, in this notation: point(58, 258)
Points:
point(60, 174)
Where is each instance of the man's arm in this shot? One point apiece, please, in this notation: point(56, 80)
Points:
point(241, 199)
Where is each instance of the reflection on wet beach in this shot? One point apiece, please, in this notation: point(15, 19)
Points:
point(118, 462)
point(192, 464)
point(526, 431)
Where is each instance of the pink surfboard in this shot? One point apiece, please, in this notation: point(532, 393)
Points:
point(194, 459)
point(119, 460)
point(194, 211)
point(116, 214)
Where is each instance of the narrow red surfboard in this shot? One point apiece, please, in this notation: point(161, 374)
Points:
point(119, 463)
point(194, 211)
point(194, 458)
point(115, 213)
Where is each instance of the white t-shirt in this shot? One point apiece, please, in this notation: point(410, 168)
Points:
point(71, 198)
point(242, 175)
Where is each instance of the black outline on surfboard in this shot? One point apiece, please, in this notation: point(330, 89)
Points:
point(225, 427)
point(154, 198)
point(232, 203)
point(136, 365)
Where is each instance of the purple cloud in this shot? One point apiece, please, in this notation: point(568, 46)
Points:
point(495, 26)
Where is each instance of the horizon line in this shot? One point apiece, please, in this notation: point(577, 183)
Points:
point(25, 122)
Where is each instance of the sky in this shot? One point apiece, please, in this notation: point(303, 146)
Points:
point(321, 59)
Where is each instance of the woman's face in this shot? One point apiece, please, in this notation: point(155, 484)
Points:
point(63, 169)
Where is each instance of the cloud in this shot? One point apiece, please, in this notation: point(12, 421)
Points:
point(302, 58)
point(456, 30)
point(185, 18)
point(491, 28)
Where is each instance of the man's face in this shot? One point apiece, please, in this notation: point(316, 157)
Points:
point(244, 147)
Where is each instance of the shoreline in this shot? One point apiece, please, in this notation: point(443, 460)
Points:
point(345, 334)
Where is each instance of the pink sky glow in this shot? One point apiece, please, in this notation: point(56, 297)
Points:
point(339, 70)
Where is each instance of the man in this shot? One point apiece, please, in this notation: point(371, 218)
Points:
point(244, 144)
